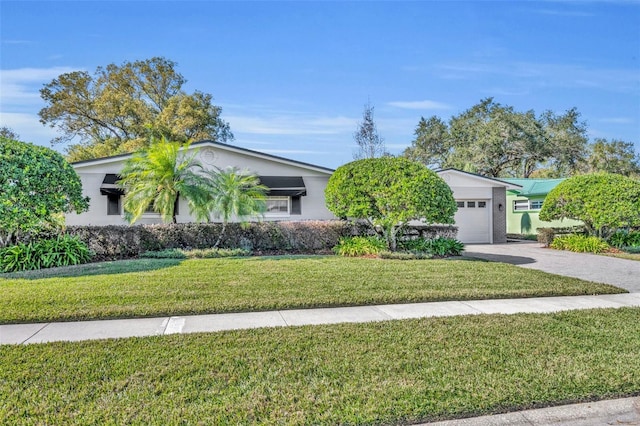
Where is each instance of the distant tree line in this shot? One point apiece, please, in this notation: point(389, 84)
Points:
point(121, 108)
point(495, 140)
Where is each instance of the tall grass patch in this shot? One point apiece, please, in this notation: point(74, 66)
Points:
point(580, 244)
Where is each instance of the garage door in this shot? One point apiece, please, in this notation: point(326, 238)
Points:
point(473, 221)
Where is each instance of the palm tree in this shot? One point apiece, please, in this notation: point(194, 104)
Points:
point(234, 195)
point(156, 176)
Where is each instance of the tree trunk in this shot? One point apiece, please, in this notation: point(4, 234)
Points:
point(224, 227)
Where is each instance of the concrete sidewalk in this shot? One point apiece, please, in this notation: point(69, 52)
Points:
point(91, 330)
point(624, 411)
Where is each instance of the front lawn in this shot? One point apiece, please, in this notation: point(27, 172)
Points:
point(168, 287)
point(377, 373)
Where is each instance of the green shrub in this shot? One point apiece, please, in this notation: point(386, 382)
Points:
point(360, 246)
point(603, 202)
point(632, 249)
point(209, 253)
point(215, 253)
point(124, 242)
point(580, 244)
point(63, 250)
point(437, 246)
point(625, 238)
point(389, 192)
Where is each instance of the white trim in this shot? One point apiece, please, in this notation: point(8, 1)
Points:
point(493, 181)
point(279, 213)
point(219, 146)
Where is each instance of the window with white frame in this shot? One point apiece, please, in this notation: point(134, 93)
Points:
point(535, 204)
point(521, 205)
point(277, 206)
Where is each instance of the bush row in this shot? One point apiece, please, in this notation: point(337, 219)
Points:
point(416, 248)
point(622, 238)
point(119, 242)
point(547, 235)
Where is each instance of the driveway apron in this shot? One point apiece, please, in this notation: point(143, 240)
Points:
point(621, 273)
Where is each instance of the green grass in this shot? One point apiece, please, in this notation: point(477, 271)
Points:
point(378, 373)
point(628, 256)
point(166, 287)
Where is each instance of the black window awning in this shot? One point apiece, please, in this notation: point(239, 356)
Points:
point(291, 186)
point(109, 186)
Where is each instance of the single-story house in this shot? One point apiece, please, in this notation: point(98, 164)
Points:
point(525, 203)
point(296, 188)
point(296, 191)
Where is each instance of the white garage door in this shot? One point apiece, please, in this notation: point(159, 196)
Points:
point(473, 221)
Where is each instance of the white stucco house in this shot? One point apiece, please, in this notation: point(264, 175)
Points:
point(296, 188)
point(296, 191)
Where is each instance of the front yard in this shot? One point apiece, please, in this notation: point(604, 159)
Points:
point(159, 287)
point(392, 372)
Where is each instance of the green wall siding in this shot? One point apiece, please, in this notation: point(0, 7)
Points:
point(527, 221)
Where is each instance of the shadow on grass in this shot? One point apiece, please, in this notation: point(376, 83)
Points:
point(512, 260)
point(99, 268)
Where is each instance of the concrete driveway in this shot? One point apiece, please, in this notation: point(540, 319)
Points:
point(603, 269)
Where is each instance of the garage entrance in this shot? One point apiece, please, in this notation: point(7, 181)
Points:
point(473, 219)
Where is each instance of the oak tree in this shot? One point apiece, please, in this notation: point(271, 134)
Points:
point(120, 108)
point(614, 156)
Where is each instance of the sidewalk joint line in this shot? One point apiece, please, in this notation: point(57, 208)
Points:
point(284, 320)
point(384, 314)
point(24, 342)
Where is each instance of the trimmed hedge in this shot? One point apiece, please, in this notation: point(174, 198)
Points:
point(121, 242)
point(547, 235)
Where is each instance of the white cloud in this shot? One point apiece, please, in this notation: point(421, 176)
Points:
point(290, 125)
point(547, 75)
point(617, 120)
point(558, 12)
point(28, 127)
point(16, 42)
point(20, 87)
point(426, 104)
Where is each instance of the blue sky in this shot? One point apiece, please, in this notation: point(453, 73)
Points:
point(293, 77)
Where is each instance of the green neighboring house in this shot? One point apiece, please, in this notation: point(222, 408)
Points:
point(523, 206)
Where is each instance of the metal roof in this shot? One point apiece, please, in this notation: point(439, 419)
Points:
point(531, 187)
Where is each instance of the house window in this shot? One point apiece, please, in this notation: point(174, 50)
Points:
point(113, 204)
point(482, 204)
point(277, 206)
point(519, 205)
point(460, 204)
point(536, 205)
point(471, 204)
